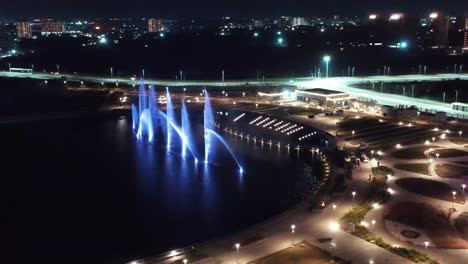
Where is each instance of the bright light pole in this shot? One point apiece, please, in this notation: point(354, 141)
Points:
point(326, 59)
point(334, 207)
point(460, 133)
point(185, 261)
point(237, 245)
point(293, 230)
point(454, 193)
point(354, 195)
point(112, 72)
point(426, 243)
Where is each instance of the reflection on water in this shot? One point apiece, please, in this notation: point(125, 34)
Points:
point(88, 185)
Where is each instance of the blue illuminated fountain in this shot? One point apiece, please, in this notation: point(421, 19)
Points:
point(147, 118)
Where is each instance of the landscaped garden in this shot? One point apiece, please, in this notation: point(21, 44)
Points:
point(451, 171)
point(410, 153)
point(430, 188)
point(422, 168)
point(449, 153)
point(300, 253)
point(433, 221)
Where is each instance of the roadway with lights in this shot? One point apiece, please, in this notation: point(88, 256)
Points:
point(344, 84)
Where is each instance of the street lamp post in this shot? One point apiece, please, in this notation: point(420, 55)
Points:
point(112, 72)
point(185, 261)
point(454, 193)
point(293, 230)
point(354, 195)
point(237, 245)
point(326, 59)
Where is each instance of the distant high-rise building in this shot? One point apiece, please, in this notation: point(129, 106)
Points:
point(23, 30)
point(6, 42)
point(155, 25)
point(465, 42)
point(456, 32)
point(299, 21)
point(53, 27)
point(439, 30)
point(284, 21)
point(258, 23)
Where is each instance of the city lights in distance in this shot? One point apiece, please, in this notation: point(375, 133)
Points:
point(395, 17)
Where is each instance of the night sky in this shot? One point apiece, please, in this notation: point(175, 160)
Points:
point(216, 8)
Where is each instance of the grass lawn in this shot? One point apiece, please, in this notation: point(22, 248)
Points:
point(449, 153)
point(430, 188)
point(303, 253)
point(433, 221)
point(356, 124)
point(459, 140)
point(451, 171)
point(304, 111)
point(382, 171)
point(410, 153)
point(422, 168)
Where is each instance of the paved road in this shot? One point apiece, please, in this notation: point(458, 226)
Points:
point(335, 83)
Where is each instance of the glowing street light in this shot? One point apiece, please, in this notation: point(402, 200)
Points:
point(354, 195)
point(460, 133)
point(426, 243)
point(395, 17)
point(334, 207)
point(326, 59)
point(237, 245)
point(185, 261)
point(463, 187)
point(433, 15)
point(280, 41)
point(293, 230)
point(373, 223)
point(334, 226)
point(454, 193)
point(372, 16)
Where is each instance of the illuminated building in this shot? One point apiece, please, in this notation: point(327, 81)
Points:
point(439, 30)
point(155, 25)
point(52, 27)
point(465, 42)
point(23, 30)
point(299, 21)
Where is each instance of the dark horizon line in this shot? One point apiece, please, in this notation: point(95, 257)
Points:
point(205, 17)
